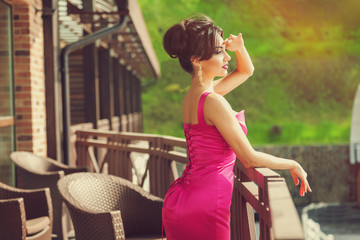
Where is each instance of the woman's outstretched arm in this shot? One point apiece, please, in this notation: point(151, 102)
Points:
point(244, 67)
point(218, 111)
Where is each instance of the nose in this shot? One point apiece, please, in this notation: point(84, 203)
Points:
point(227, 57)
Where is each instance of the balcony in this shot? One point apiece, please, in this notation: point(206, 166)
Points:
point(162, 159)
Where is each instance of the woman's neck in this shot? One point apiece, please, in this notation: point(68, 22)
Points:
point(206, 85)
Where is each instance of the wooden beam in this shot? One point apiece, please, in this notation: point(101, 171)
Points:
point(127, 92)
point(52, 81)
point(91, 84)
point(106, 85)
point(140, 27)
point(91, 76)
point(137, 94)
point(122, 98)
point(133, 93)
point(116, 82)
point(73, 9)
point(139, 108)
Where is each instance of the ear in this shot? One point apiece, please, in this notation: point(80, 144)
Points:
point(195, 61)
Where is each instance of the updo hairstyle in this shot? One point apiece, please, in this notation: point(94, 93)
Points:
point(192, 37)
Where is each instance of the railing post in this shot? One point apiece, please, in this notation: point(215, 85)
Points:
point(153, 167)
point(247, 220)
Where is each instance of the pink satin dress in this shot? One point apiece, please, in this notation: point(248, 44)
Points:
point(197, 204)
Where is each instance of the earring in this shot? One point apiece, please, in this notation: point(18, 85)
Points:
point(200, 74)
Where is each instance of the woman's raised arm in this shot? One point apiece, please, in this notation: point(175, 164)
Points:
point(244, 67)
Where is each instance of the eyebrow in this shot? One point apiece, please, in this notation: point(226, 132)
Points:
point(219, 47)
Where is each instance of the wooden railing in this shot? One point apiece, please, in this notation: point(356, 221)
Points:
point(259, 189)
point(264, 191)
point(131, 122)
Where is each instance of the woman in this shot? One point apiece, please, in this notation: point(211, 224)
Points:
point(197, 205)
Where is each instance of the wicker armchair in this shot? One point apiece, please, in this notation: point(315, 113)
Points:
point(25, 214)
point(33, 171)
point(109, 207)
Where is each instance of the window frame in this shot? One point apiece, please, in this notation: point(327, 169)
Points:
point(8, 120)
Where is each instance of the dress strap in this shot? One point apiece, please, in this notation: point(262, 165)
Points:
point(201, 119)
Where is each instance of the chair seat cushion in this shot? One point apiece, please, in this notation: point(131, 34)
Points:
point(36, 225)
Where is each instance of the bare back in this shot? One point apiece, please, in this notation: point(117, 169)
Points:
point(190, 108)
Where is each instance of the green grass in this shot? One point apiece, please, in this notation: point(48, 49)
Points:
point(298, 133)
point(292, 101)
point(306, 59)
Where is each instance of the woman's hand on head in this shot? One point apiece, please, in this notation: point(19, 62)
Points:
point(234, 42)
point(298, 172)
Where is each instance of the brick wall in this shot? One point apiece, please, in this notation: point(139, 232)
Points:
point(29, 82)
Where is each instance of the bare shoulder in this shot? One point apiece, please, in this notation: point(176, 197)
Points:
point(216, 109)
point(216, 102)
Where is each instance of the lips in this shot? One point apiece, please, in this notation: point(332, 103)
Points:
point(225, 66)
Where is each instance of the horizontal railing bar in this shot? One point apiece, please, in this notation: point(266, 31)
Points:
point(258, 175)
point(123, 135)
point(173, 155)
point(283, 212)
point(177, 156)
point(179, 142)
point(124, 148)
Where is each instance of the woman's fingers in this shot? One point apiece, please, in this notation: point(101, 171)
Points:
point(305, 186)
point(306, 183)
point(232, 36)
point(302, 188)
point(233, 42)
point(296, 179)
point(301, 177)
point(227, 41)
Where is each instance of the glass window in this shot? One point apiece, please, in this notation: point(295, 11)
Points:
point(6, 147)
point(6, 96)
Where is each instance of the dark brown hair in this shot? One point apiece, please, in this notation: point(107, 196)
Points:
point(192, 37)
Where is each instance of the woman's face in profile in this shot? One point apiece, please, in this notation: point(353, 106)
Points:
point(217, 66)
